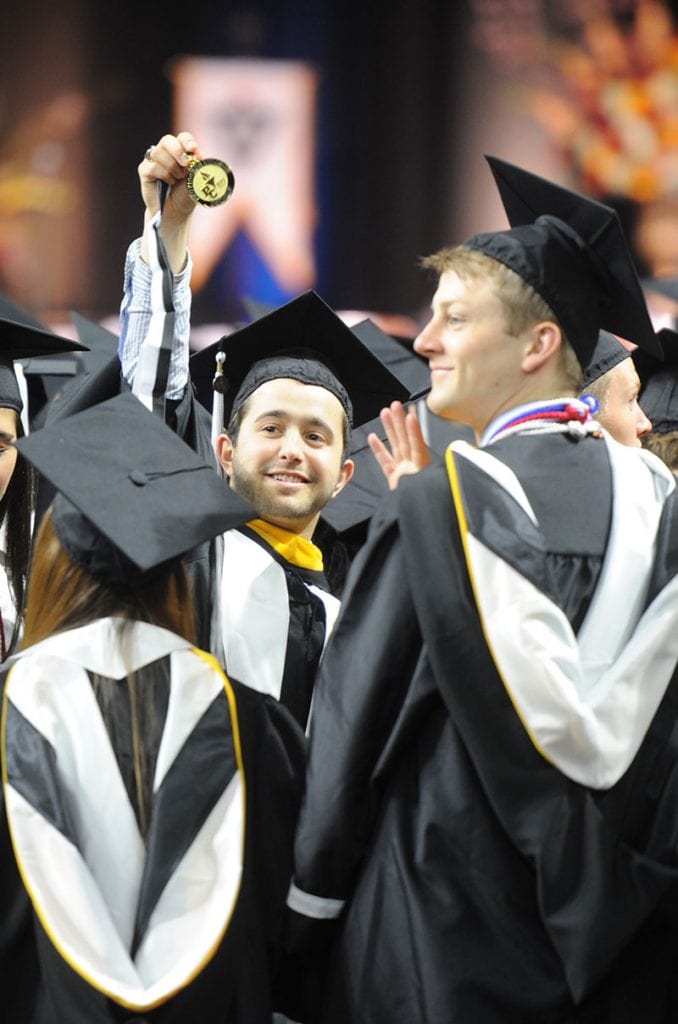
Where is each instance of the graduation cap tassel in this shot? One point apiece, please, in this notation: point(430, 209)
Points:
point(219, 386)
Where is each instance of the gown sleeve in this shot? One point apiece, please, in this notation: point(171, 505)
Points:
point(360, 691)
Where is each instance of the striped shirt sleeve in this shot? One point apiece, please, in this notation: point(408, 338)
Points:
point(135, 318)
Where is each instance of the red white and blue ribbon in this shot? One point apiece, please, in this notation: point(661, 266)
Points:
point(574, 415)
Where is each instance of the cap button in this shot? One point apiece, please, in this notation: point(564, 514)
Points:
point(138, 477)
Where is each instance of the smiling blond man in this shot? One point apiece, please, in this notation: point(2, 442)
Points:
point(488, 827)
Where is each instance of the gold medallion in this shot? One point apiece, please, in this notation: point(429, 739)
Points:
point(209, 182)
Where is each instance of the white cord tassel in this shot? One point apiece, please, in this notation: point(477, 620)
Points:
point(218, 424)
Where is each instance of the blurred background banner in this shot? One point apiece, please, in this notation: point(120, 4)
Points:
point(260, 117)
point(356, 132)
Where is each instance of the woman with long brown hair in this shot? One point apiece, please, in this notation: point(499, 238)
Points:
point(150, 808)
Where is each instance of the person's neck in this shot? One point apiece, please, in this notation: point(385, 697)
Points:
point(299, 528)
point(532, 392)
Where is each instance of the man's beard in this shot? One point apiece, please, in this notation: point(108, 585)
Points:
point(253, 488)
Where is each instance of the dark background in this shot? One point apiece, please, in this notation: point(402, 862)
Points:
point(395, 119)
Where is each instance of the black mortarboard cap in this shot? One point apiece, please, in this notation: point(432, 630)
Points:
point(397, 354)
point(306, 330)
point(608, 352)
point(659, 382)
point(21, 341)
point(573, 252)
point(102, 344)
point(649, 364)
point(132, 494)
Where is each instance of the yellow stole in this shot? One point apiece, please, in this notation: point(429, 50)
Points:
point(293, 548)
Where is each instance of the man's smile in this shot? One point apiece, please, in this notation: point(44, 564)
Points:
point(287, 477)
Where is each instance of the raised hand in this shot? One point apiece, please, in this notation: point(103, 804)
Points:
point(407, 452)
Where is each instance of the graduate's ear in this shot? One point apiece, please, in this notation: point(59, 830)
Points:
point(543, 343)
point(224, 449)
point(347, 470)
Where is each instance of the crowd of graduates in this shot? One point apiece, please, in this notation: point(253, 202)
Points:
point(339, 677)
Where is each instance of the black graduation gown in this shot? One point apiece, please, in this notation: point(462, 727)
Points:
point(236, 983)
point(478, 882)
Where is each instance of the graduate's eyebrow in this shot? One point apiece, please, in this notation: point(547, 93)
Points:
point(6, 438)
point(445, 305)
point(282, 414)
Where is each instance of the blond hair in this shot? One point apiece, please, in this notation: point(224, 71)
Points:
point(523, 306)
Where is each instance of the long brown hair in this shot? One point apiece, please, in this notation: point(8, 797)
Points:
point(60, 595)
point(16, 514)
